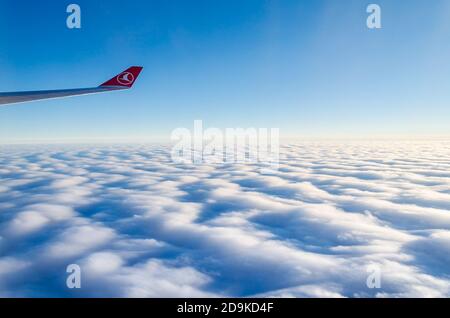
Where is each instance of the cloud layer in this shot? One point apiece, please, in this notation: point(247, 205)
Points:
point(140, 225)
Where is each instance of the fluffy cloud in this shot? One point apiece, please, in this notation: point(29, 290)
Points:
point(140, 225)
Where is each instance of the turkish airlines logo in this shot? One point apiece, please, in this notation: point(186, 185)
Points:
point(125, 78)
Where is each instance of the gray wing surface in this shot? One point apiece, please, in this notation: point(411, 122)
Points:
point(21, 97)
point(124, 80)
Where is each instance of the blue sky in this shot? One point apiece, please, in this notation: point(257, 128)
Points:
point(311, 68)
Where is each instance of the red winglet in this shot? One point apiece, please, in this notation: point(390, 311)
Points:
point(124, 79)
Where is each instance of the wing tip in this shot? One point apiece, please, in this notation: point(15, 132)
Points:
point(126, 79)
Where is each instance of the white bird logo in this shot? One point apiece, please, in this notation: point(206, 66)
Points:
point(125, 78)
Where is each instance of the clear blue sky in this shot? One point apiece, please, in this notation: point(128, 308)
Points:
point(311, 68)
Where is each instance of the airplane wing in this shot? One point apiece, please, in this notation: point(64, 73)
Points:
point(124, 80)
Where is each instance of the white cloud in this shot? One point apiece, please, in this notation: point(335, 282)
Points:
point(142, 226)
point(37, 216)
point(78, 240)
point(151, 278)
